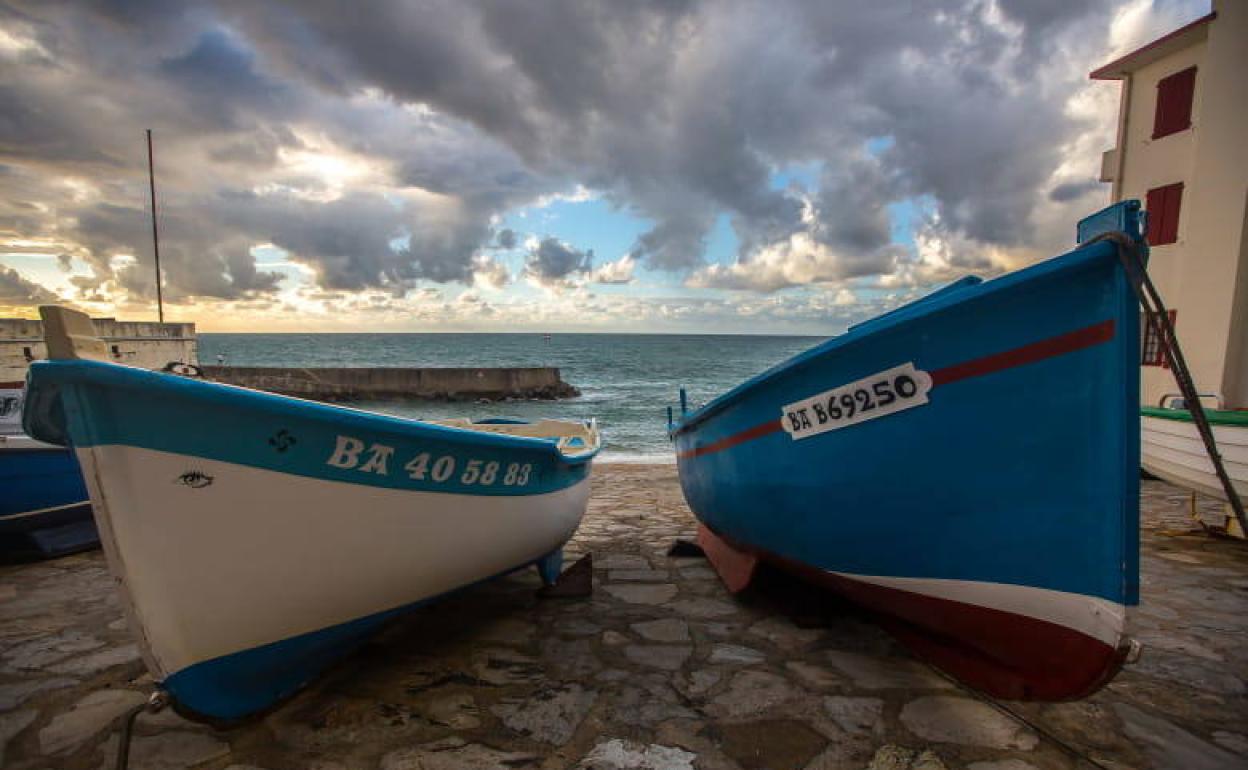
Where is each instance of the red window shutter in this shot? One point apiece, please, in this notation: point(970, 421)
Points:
point(1154, 204)
point(1174, 103)
point(1174, 201)
point(1163, 204)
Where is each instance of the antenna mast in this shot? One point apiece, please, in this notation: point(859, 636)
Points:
point(151, 181)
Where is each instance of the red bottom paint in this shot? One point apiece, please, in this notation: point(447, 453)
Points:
point(1002, 654)
point(735, 567)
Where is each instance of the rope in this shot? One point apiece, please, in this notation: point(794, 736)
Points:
point(1017, 717)
point(1159, 319)
point(155, 702)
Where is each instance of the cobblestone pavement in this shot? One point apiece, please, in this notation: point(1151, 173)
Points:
point(660, 669)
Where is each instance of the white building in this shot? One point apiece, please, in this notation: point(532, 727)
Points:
point(1183, 151)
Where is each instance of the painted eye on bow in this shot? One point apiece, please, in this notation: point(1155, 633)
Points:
point(194, 479)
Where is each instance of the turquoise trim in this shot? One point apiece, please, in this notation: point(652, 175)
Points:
point(234, 686)
point(90, 403)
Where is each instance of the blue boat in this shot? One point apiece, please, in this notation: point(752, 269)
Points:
point(966, 466)
point(257, 538)
point(44, 510)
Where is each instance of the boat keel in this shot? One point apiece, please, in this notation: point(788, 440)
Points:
point(735, 568)
point(1002, 654)
point(576, 581)
point(549, 566)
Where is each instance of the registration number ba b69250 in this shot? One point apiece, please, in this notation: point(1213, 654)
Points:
point(883, 393)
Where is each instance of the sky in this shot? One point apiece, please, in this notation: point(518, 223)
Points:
point(657, 166)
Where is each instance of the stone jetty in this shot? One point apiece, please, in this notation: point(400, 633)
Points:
point(660, 669)
point(364, 383)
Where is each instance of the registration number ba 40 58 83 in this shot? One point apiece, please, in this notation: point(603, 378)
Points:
point(894, 390)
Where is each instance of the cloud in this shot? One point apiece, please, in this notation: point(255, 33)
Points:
point(1069, 191)
point(553, 261)
point(825, 250)
point(618, 272)
point(16, 291)
point(381, 154)
point(491, 272)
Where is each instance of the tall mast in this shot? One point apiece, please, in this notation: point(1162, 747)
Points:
point(151, 181)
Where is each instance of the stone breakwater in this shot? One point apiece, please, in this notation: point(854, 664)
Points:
point(366, 383)
point(661, 669)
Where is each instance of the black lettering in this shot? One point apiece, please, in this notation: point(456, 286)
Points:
point(882, 392)
point(820, 413)
point(805, 418)
point(905, 386)
point(795, 421)
point(834, 411)
point(864, 400)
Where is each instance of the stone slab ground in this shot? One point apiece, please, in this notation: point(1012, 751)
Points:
point(660, 669)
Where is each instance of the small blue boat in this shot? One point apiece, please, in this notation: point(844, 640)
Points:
point(44, 510)
point(257, 538)
point(966, 466)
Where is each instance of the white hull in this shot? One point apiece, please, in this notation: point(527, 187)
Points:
point(20, 442)
point(1097, 618)
point(259, 556)
point(1172, 450)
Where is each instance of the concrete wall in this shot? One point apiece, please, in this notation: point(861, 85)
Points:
point(1202, 275)
point(335, 384)
point(138, 343)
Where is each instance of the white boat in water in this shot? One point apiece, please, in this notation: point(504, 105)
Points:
point(256, 538)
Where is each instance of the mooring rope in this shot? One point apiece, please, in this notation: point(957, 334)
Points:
point(1156, 315)
point(154, 703)
point(1044, 732)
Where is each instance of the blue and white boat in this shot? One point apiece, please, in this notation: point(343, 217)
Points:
point(256, 538)
point(44, 510)
point(966, 466)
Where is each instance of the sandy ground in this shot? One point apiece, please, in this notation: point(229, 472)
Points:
point(661, 668)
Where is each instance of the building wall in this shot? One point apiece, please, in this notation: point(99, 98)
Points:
point(1215, 283)
point(1202, 274)
point(137, 343)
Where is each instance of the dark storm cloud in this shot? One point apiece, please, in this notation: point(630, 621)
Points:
point(678, 112)
point(700, 107)
point(553, 260)
point(16, 290)
point(1073, 190)
point(506, 238)
point(221, 84)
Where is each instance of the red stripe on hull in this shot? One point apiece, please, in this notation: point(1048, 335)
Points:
point(758, 431)
point(1003, 654)
point(1027, 354)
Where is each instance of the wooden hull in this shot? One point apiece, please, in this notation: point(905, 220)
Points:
point(44, 510)
point(967, 467)
point(257, 538)
point(1172, 450)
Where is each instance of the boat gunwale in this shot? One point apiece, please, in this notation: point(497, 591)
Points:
point(916, 310)
point(1227, 417)
point(113, 375)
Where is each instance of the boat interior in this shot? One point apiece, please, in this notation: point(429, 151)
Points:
point(573, 438)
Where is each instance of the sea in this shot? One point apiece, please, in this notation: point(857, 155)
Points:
point(627, 381)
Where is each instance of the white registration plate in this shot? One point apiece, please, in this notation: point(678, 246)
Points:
point(894, 390)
